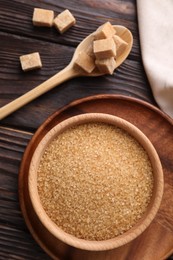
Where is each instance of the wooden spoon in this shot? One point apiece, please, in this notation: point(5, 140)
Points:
point(68, 72)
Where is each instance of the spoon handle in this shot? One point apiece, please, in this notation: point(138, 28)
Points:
point(47, 85)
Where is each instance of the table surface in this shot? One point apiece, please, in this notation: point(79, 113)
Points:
point(18, 37)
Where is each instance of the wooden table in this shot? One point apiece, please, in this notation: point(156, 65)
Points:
point(18, 37)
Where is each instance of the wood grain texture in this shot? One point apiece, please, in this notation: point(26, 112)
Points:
point(17, 37)
point(68, 72)
point(55, 55)
point(89, 16)
point(129, 79)
point(15, 240)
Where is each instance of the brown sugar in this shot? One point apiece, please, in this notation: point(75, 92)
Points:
point(105, 31)
point(85, 62)
point(120, 44)
point(95, 181)
point(30, 61)
point(64, 21)
point(42, 17)
point(104, 49)
point(106, 66)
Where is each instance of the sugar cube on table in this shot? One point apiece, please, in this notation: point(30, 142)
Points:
point(43, 17)
point(105, 48)
point(105, 31)
point(64, 21)
point(85, 62)
point(106, 66)
point(30, 61)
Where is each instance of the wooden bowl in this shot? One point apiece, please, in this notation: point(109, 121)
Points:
point(50, 229)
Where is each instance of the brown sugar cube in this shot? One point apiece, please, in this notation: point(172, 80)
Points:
point(43, 17)
point(64, 21)
point(30, 61)
point(106, 66)
point(85, 62)
point(89, 50)
point(105, 31)
point(104, 49)
point(120, 44)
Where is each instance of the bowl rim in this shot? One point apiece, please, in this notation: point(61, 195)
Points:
point(148, 216)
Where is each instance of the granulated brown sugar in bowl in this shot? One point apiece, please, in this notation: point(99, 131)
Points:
point(95, 181)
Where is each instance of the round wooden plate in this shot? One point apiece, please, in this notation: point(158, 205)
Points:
point(157, 241)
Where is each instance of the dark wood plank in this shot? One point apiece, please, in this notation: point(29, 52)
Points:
point(129, 80)
point(89, 16)
point(15, 239)
point(18, 36)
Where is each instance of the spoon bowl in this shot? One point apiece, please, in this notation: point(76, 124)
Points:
point(68, 72)
point(122, 32)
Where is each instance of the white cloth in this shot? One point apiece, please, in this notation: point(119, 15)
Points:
point(155, 18)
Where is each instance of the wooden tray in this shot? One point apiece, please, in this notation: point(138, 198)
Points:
point(157, 241)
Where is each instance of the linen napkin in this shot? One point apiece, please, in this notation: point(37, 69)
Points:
point(155, 18)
